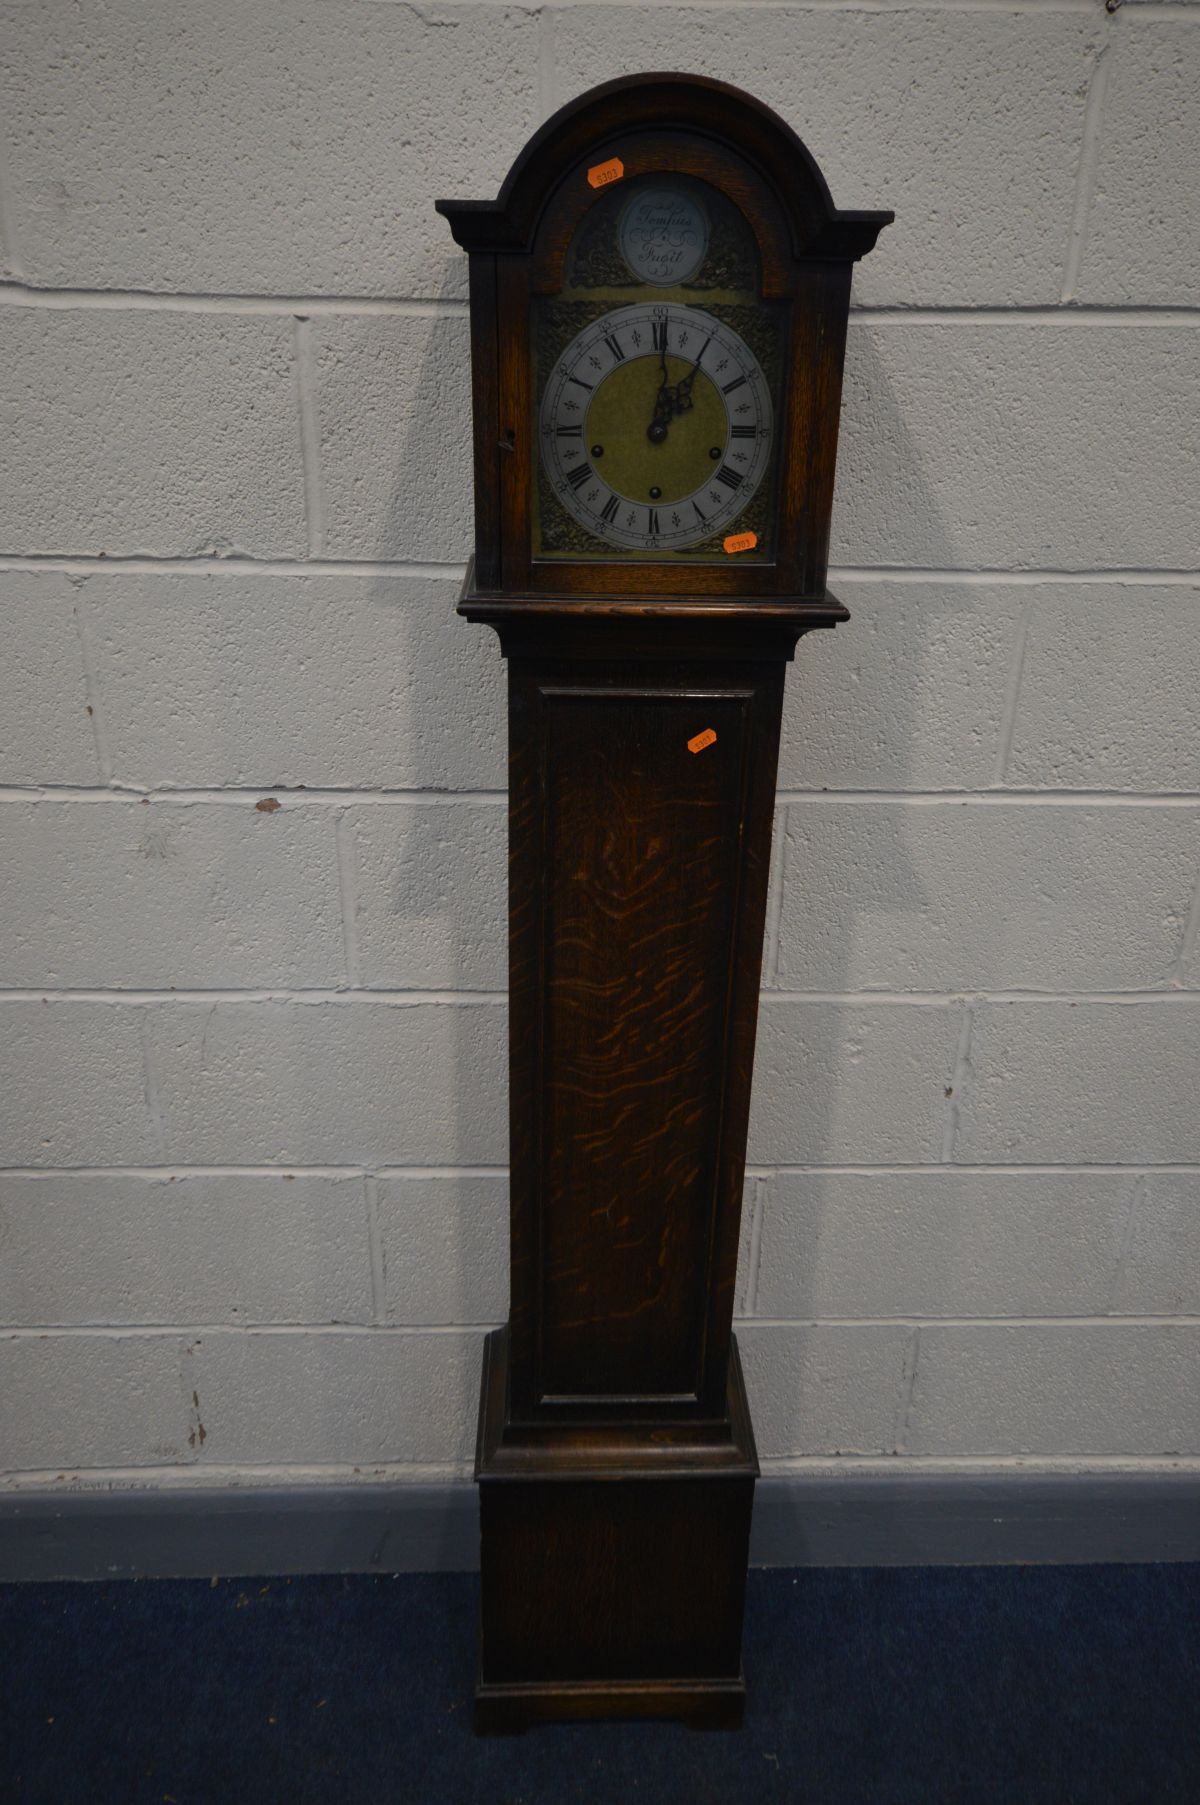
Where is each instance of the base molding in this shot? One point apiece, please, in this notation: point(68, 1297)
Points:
point(888, 1515)
point(613, 1560)
point(701, 1704)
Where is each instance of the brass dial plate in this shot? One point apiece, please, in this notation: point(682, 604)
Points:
point(655, 426)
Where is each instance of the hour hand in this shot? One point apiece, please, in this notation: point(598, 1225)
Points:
point(664, 408)
point(682, 392)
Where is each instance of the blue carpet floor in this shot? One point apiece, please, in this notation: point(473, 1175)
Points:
point(1012, 1685)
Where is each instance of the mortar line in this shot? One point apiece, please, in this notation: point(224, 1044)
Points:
point(389, 998)
point(49, 298)
point(1061, 314)
point(125, 793)
point(1085, 178)
point(360, 1331)
point(184, 1169)
point(10, 255)
point(151, 300)
point(150, 1089)
point(992, 576)
point(961, 1169)
point(310, 435)
point(770, 974)
point(189, 1389)
point(91, 688)
point(547, 63)
point(938, 999)
point(240, 564)
point(232, 796)
point(1188, 938)
point(962, 1064)
point(376, 1255)
point(755, 1255)
point(1137, 1193)
point(908, 1375)
point(1005, 798)
point(392, 996)
point(1166, 11)
point(912, 1320)
point(348, 894)
point(1012, 693)
point(196, 1331)
point(885, 7)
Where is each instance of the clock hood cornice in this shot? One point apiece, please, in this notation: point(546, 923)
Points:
point(579, 132)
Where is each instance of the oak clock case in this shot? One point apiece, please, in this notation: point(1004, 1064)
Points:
point(658, 297)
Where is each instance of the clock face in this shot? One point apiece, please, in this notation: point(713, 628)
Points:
point(655, 425)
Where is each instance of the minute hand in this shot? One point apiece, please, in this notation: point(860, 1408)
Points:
point(683, 390)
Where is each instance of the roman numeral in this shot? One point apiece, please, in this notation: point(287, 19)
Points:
point(740, 432)
point(660, 335)
point(581, 384)
point(609, 510)
point(732, 477)
point(727, 388)
point(610, 340)
point(652, 520)
point(700, 513)
point(576, 432)
point(579, 475)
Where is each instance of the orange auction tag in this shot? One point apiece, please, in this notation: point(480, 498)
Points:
point(741, 542)
point(707, 738)
point(601, 174)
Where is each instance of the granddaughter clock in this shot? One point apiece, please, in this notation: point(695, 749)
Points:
point(658, 301)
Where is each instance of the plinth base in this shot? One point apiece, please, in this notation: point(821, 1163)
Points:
point(701, 1704)
point(613, 1565)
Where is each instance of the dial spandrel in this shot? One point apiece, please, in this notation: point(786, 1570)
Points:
point(655, 427)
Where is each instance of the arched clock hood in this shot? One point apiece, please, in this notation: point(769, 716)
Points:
point(579, 132)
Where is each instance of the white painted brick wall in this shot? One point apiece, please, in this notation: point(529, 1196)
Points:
point(1024, 445)
point(1055, 1388)
point(330, 1082)
point(252, 1184)
point(192, 1247)
point(976, 145)
point(431, 892)
point(140, 432)
point(297, 1398)
point(849, 1081)
point(393, 399)
point(289, 148)
point(1138, 246)
point(73, 1080)
point(947, 896)
point(46, 728)
point(444, 1247)
point(1110, 691)
point(939, 721)
point(173, 898)
point(942, 1243)
point(1086, 1081)
point(232, 680)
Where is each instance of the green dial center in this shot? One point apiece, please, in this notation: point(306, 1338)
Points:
point(624, 406)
